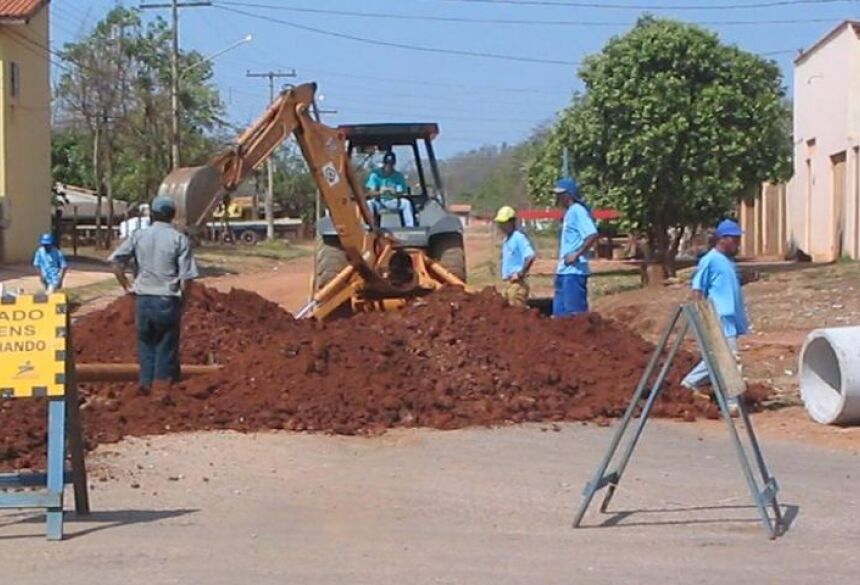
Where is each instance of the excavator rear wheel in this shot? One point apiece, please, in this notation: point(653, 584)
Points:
point(448, 250)
point(331, 260)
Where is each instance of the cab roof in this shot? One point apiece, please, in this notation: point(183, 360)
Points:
point(388, 134)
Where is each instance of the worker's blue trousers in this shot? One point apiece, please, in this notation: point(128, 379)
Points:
point(571, 295)
point(158, 325)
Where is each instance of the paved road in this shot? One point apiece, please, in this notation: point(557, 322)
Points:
point(475, 506)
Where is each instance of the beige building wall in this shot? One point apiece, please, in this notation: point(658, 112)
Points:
point(763, 220)
point(823, 197)
point(25, 137)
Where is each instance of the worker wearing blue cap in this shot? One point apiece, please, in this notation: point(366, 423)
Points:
point(163, 264)
point(578, 234)
point(716, 279)
point(50, 263)
point(388, 188)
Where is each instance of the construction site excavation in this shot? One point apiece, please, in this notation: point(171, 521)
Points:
point(449, 360)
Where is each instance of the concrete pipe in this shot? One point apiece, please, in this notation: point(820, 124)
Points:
point(830, 375)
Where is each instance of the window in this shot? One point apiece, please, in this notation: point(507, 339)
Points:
point(14, 79)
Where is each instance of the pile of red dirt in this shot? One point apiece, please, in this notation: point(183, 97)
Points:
point(448, 361)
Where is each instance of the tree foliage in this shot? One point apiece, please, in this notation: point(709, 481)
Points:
point(294, 187)
point(673, 128)
point(114, 104)
point(491, 176)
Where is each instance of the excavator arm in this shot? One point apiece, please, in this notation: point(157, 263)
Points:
point(367, 280)
point(197, 191)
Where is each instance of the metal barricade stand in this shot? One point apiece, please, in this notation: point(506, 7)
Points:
point(726, 384)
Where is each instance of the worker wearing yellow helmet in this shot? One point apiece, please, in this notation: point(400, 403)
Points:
point(518, 255)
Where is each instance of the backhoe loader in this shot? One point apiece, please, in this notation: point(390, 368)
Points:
point(381, 272)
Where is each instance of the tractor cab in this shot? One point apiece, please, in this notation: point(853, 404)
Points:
point(428, 225)
point(370, 145)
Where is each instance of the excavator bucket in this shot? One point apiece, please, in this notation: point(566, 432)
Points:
point(195, 192)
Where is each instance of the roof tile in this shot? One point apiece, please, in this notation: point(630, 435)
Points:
point(20, 8)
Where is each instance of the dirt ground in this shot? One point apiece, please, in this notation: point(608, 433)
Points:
point(785, 304)
point(476, 506)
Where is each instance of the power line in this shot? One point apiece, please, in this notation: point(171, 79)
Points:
point(380, 43)
point(691, 7)
point(175, 129)
point(501, 21)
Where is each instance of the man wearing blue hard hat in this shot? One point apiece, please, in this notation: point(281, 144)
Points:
point(163, 264)
point(578, 234)
point(50, 263)
point(716, 279)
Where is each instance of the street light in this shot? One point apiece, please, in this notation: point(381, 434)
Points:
point(213, 56)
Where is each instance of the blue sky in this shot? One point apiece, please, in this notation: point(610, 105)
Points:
point(476, 100)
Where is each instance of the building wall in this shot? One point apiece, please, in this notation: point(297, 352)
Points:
point(826, 127)
point(25, 138)
point(762, 218)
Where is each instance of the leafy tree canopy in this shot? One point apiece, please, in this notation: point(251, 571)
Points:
point(674, 127)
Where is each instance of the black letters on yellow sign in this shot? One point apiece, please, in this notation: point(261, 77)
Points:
point(17, 346)
point(17, 331)
point(16, 324)
point(19, 315)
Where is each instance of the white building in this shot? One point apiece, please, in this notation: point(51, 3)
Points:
point(824, 193)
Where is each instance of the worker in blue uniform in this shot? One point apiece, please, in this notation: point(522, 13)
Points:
point(518, 255)
point(388, 188)
point(50, 263)
point(578, 235)
point(717, 280)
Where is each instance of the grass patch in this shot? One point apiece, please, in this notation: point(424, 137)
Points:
point(546, 243)
point(274, 250)
point(81, 295)
point(599, 285)
point(483, 274)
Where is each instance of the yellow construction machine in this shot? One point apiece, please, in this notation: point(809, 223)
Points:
point(381, 271)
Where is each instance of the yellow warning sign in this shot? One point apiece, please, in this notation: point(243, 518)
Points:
point(33, 331)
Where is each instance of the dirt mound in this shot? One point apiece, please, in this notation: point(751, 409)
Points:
point(448, 361)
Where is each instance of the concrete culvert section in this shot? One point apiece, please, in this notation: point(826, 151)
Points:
point(830, 375)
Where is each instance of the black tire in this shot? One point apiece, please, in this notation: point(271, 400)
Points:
point(249, 237)
point(331, 260)
point(448, 250)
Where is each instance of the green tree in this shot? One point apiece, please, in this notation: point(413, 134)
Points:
point(70, 158)
point(491, 176)
point(295, 188)
point(673, 129)
point(114, 100)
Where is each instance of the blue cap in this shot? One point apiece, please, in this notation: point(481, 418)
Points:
point(163, 204)
point(567, 185)
point(729, 228)
point(46, 240)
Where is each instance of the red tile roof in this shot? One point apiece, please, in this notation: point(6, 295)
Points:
point(20, 9)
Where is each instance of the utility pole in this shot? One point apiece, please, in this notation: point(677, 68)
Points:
point(174, 6)
point(565, 164)
point(270, 166)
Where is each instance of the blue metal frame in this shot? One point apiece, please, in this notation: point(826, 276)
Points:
point(63, 424)
point(54, 481)
point(764, 497)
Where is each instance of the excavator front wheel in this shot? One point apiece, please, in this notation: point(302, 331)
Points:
point(330, 261)
point(448, 250)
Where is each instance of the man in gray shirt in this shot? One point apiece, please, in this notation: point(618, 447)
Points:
point(163, 263)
